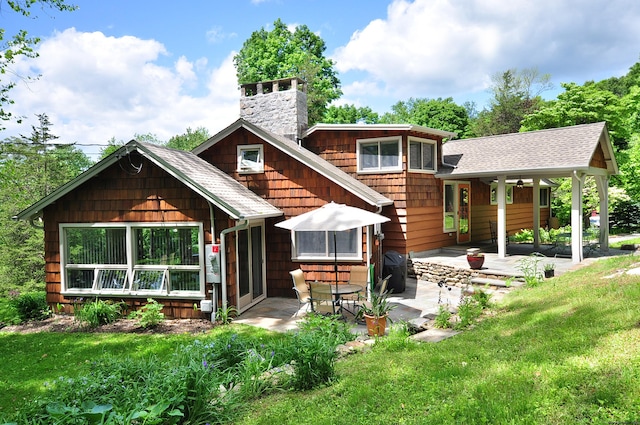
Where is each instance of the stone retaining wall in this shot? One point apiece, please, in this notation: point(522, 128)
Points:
point(453, 276)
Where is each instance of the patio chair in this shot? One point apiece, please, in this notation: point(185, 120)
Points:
point(493, 228)
point(301, 289)
point(357, 276)
point(322, 300)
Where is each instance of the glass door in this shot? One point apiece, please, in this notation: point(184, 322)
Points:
point(251, 271)
point(464, 213)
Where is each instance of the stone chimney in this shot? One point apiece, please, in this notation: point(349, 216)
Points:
point(279, 106)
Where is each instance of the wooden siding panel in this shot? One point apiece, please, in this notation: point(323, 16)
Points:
point(116, 195)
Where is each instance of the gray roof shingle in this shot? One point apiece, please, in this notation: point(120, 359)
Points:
point(557, 150)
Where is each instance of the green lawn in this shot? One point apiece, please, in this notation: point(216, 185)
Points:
point(565, 352)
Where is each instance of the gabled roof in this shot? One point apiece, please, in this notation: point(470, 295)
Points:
point(208, 181)
point(306, 157)
point(555, 152)
point(372, 127)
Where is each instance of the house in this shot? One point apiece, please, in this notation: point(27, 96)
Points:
point(183, 227)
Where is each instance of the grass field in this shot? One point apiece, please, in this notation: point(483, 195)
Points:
point(565, 352)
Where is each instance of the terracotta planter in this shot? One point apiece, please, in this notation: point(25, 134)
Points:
point(475, 262)
point(376, 326)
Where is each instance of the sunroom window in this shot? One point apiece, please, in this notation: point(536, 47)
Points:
point(319, 245)
point(379, 155)
point(160, 259)
point(422, 154)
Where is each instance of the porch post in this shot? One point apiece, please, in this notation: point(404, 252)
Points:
point(502, 217)
point(536, 212)
point(577, 180)
point(602, 183)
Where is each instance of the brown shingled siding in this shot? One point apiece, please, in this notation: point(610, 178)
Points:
point(118, 194)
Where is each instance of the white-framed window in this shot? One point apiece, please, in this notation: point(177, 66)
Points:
point(494, 193)
point(250, 159)
point(137, 259)
point(449, 207)
point(544, 197)
point(422, 155)
point(379, 155)
point(319, 245)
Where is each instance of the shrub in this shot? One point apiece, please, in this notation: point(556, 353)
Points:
point(469, 310)
point(225, 315)
point(625, 216)
point(149, 315)
point(442, 319)
point(529, 266)
point(31, 306)
point(99, 312)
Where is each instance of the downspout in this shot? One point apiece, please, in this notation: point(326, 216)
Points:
point(214, 297)
point(223, 257)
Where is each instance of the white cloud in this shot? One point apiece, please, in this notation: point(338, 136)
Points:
point(441, 48)
point(95, 87)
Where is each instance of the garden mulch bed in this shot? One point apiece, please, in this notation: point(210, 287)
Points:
point(68, 324)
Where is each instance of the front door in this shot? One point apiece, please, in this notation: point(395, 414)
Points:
point(251, 267)
point(464, 213)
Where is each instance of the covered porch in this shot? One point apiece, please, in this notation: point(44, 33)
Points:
point(574, 152)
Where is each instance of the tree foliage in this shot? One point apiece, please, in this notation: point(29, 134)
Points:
point(350, 114)
point(31, 167)
point(280, 53)
point(16, 45)
point(515, 94)
point(189, 140)
point(441, 114)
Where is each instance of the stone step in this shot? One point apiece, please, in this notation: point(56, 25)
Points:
point(482, 281)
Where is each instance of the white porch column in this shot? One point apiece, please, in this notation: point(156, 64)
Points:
point(536, 212)
point(577, 181)
point(502, 217)
point(602, 183)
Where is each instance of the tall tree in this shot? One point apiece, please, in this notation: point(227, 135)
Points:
point(16, 45)
point(441, 114)
point(189, 140)
point(30, 168)
point(514, 94)
point(280, 53)
point(350, 114)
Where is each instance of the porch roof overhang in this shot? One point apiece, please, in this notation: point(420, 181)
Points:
point(211, 183)
point(559, 152)
point(304, 156)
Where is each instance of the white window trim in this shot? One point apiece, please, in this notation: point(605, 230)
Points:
point(508, 199)
point(445, 229)
point(130, 267)
point(259, 167)
point(395, 169)
point(329, 257)
point(546, 198)
point(434, 143)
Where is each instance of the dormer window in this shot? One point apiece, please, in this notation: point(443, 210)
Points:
point(422, 154)
point(250, 159)
point(379, 155)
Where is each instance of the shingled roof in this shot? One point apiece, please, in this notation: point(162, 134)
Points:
point(208, 181)
point(554, 152)
point(306, 157)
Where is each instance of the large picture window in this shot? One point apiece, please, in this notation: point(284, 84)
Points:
point(319, 245)
point(380, 155)
point(422, 154)
point(159, 259)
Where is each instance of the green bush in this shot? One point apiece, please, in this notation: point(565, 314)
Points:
point(98, 312)
point(149, 315)
point(442, 319)
point(31, 306)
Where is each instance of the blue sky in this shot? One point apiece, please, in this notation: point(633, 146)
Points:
point(113, 69)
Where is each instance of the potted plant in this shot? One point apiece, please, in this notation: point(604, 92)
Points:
point(376, 313)
point(549, 270)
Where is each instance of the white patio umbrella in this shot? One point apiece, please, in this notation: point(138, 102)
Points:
point(334, 218)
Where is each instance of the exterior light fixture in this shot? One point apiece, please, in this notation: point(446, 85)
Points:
point(519, 184)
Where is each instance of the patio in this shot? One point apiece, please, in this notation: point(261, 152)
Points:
point(420, 297)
